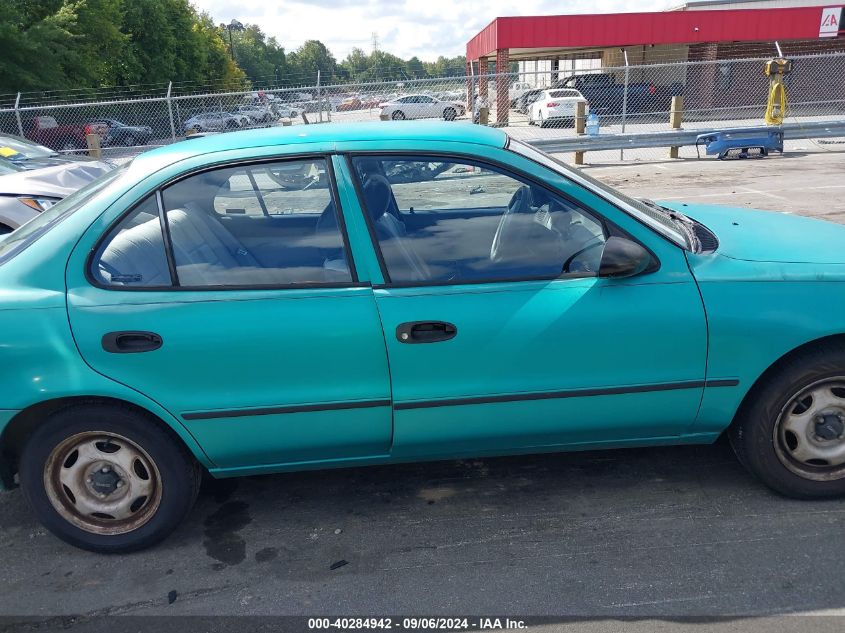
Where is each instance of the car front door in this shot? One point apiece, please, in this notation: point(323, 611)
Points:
point(230, 297)
point(500, 335)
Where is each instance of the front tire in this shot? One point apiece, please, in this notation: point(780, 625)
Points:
point(398, 115)
point(107, 478)
point(791, 432)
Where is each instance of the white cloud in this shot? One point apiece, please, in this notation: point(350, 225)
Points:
point(425, 28)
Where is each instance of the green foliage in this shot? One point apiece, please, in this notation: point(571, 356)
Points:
point(84, 44)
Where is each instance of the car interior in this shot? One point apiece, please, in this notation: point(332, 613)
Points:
point(277, 225)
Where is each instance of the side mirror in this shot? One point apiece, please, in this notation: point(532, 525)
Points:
point(623, 258)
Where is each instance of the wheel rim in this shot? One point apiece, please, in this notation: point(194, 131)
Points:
point(102, 483)
point(809, 436)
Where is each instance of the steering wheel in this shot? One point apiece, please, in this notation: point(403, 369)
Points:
point(520, 202)
point(571, 258)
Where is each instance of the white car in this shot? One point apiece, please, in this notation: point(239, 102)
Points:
point(211, 121)
point(421, 107)
point(256, 113)
point(556, 108)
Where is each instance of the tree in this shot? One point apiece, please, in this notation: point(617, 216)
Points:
point(262, 59)
point(308, 59)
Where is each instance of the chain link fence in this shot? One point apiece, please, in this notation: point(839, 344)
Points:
point(528, 105)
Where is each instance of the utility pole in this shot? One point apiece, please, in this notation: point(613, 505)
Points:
point(374, 55)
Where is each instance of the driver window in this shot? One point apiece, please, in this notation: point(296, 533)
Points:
point(463, 222)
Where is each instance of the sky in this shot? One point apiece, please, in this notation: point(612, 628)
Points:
point(425, 28)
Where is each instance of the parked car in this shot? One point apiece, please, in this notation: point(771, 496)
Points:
point(211, 121)
point(45, 130)
point(256, 113)
point(517, 306)
point(516, 90)
point(555, 108)
point(26, 190)
point(524, 102)
point(349, 103)
point(422, 107)
point(118, 133)
point(607, 96)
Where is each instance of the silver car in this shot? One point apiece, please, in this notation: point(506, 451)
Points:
point(33, 178)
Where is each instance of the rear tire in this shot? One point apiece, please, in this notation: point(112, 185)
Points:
point(791, 432)
point(450, 114)
point(107, 478)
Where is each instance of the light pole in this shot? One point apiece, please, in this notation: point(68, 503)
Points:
point(234, 25)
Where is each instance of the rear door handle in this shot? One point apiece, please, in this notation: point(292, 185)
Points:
point(425, 332)
point(131, 342)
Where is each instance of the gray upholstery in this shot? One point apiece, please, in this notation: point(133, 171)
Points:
point(135, 257)
point(205, 253)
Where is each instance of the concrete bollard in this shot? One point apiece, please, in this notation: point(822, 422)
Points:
point(580, 127)
point(676, 118)
point(94, 148)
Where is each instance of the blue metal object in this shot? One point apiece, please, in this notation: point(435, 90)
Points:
point(742, 142)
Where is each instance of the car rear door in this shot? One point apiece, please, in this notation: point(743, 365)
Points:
point(491, 348)
point(244, 318)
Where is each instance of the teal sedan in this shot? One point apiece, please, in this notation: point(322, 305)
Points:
point(331, 296)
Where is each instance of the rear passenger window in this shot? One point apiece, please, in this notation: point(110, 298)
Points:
point(133, 254)
point(273, 224)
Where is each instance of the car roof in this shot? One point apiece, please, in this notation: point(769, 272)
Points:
point(332, 133)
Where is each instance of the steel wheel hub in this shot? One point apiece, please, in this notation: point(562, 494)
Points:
point(810, 432)
point(102, 483)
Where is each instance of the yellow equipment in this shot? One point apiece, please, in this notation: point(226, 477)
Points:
point(776, 70)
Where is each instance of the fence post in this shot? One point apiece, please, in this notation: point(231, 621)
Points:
point(18, 114)
point(625, 99)
point(676, 117)
point(580, 126)
point(319, 100)
point(170, 111)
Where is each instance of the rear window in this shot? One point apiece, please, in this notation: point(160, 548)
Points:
point(18, 240)
point(561, 94)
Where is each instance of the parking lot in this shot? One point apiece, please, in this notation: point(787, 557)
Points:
point(659, 532)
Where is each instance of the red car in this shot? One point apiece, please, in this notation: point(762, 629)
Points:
point(45, 130)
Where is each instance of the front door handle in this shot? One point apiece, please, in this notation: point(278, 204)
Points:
point(131, 342)
point(425, 332)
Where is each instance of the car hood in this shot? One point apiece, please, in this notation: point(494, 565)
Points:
point(768, 236)
point(55, 182)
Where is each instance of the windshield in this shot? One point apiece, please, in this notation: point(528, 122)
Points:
point(649, 214)
point(8, 167)
point(16, 148)
point(18, 240)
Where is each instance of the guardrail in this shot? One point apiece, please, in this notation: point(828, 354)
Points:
point(677, 138)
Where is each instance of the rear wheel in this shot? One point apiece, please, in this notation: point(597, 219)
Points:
point(791, 435)
point(107, 479)
point(398, 115)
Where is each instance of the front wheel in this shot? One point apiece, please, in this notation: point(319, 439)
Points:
point(791, 432)
point(107, 479)
point(398, 115)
